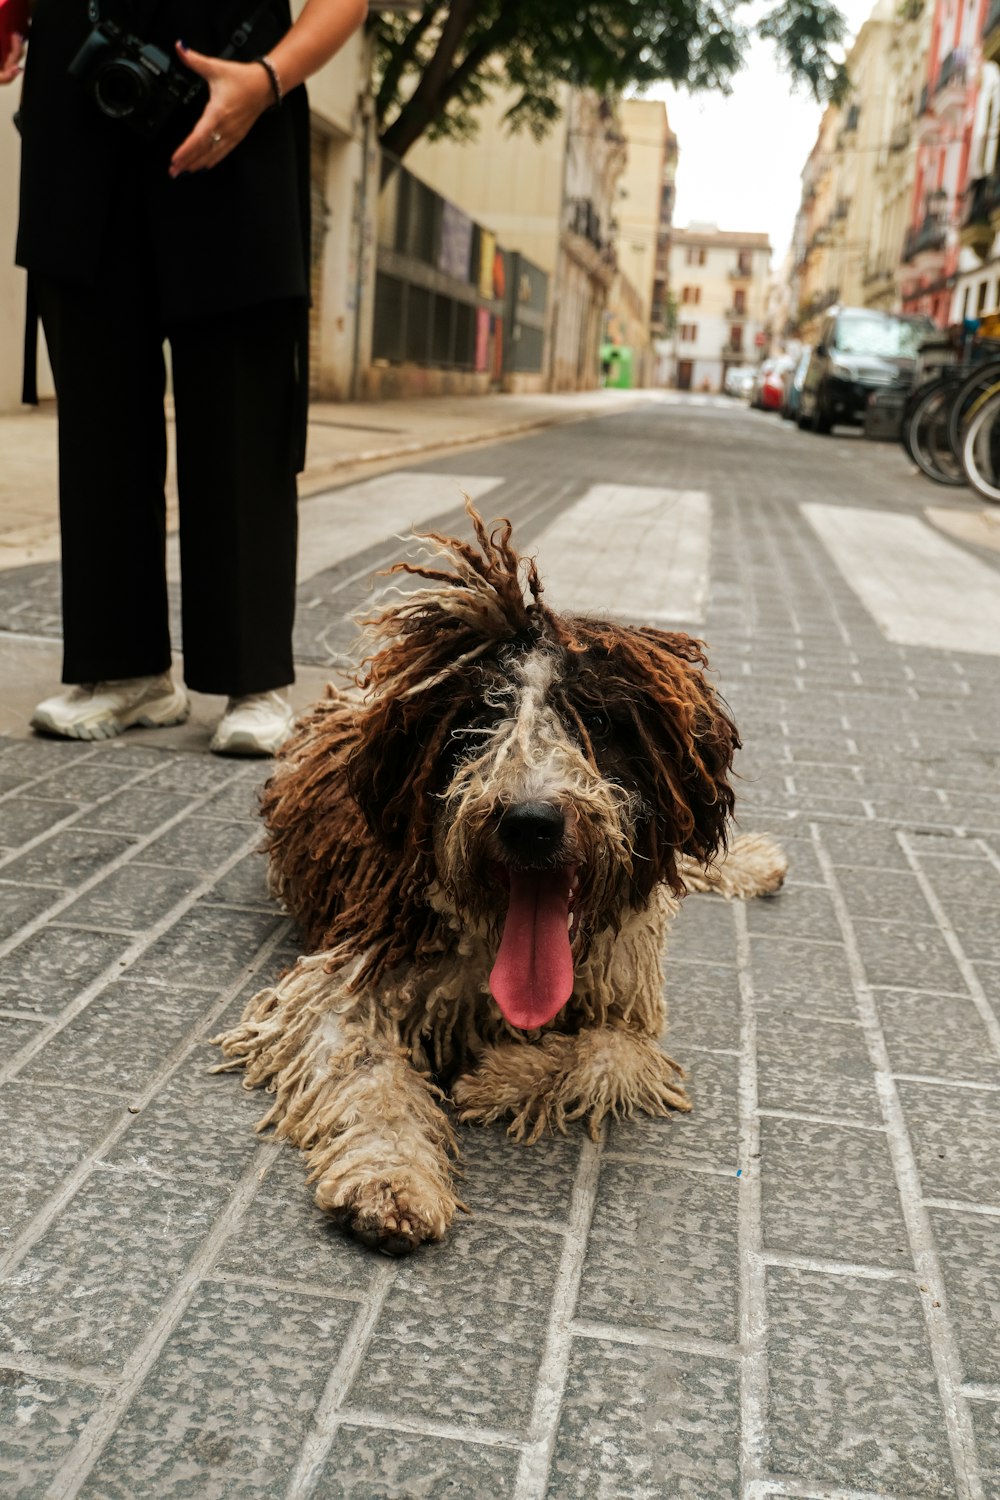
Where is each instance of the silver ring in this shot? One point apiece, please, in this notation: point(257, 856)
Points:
point(215, 138)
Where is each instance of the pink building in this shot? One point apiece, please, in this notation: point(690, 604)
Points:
point(944, 127)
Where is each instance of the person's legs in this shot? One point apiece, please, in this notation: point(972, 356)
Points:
point(107, 360)
point(234, 386)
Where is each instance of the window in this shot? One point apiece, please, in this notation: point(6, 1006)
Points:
point(739, 300)
point(981, 298)
point(736, 337)
point(744, 262)
point(696, 255)
point(689, 333)
point(691, 294)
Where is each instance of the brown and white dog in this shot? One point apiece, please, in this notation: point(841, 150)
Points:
point(483, 853)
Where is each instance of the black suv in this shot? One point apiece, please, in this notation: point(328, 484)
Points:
point(860, 350)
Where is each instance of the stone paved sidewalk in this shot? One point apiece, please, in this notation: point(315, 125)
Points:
point(792, 1292)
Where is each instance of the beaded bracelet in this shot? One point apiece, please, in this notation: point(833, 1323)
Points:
point(272, 74)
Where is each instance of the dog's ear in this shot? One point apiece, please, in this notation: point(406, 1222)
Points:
point(676, 736)
point(696, 739)
point(400, 761)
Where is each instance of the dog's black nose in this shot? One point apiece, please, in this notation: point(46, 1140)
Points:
point(532, 830)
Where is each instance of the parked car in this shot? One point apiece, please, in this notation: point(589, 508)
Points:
point(859, 351)
point(739, 380)
point(774, 382)
point(793, 388)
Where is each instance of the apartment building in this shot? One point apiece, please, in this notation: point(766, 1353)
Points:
point(719, 280)
point(554, 200)
point(638, 309)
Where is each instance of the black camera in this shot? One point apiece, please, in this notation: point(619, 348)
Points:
point(133, 81)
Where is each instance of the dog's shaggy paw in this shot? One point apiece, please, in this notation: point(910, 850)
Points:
point(599, 1072)
point(393, 1215)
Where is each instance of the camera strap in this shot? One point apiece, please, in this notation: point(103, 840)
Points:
point(237, 41)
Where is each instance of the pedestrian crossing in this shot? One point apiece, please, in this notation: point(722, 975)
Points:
point(643, 552)
point(921, 589)
point(636, 550)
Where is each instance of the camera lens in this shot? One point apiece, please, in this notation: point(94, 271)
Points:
point(120, 88)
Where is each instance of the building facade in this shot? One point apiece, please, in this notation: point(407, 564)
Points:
point(639, 301)
point(554, 200)
point(720, 282)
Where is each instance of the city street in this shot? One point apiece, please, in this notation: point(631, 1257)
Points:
point(793, 1291)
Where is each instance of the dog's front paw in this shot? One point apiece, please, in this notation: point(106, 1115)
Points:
point(392, 1214)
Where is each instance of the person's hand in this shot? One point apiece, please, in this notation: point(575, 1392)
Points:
point(10, 66)
point(238, 94)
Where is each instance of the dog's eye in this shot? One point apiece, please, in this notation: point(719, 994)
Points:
point(597, 725)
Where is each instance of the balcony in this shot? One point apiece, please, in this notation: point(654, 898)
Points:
point(733, 351)
point(740, 273)
point(925, 125)
point(924, 245)
point(991, 33)
point(734, 314)
point(951, 88)
point(974, 231)
point(900, 137)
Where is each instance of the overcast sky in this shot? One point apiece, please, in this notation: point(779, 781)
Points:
point(740, 157)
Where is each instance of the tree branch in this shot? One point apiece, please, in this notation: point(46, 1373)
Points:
point(401, 58)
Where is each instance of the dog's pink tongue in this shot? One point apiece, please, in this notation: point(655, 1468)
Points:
point(533, 975)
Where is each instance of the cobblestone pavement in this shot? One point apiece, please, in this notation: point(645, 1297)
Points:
point(795, 1291)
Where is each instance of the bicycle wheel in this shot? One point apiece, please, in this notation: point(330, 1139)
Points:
point(910, 406)
point(928, 442)
point(974, 385)
point(981, 450)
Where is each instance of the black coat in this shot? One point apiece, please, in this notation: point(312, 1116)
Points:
point(227, 238)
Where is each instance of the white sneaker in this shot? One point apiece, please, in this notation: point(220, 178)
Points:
point(101, 710)
point(258, 724)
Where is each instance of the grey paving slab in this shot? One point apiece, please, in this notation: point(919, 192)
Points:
point(816, 1067)
point(41, 1421)
point(46, 971)
point(530, 1181)
point(707, 1137)
point(907, 954)
point(815, 975)
point(121, 1039)
point(21, 904)
point(206, 949)
point(283, 1237)
point(17, 1032)
point(829, 1192)
point(47, 1129)
point(968, 1247)
point(986, 1426)
point(137, 809)
point(954, 1133)
point(862, 845)
point(25, 818)
point(704, 930)
point(936, 1035)
point(886, 895)
point(646, 1424)
point(198, 843)
point(703, 1007)
point(470, 1361)
point(131, 899)
point(228, 1405)
point(245, 884)
point(373, 1463)
point(67, 858)
point(124, 1239)
point(853, 1400)
point(662, 1253)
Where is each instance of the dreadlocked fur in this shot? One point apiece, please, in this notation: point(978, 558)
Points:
point(396, 820)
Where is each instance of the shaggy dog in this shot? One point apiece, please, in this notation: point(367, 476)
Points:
point(483, 854)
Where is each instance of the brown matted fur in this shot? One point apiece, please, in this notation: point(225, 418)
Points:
point(445, 953)
point(354, 870)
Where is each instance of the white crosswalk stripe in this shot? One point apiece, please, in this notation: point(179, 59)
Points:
point(347, 521)
point(636, 550)
point(922, 589)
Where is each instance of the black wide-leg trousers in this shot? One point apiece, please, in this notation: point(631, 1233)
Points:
point(234, 385)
